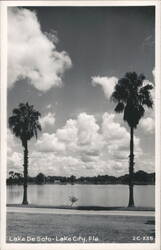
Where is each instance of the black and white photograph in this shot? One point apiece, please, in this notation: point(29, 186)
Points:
point(81, 126)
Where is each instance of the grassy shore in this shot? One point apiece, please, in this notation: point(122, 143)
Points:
point(94, 208)
point(48, 228)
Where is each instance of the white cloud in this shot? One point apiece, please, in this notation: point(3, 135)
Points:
point(118, 138)
point(52, 164)
point(87, 128)
point(81, 135)
point(49, 143)
point(146, 163)
point(69, 132)
point(47, 120)
point(148, 124)
point(15, 160)
point(99, 149)
point(14, 154)
point(113, 130)
point(107, 83)
point(82, 147)
point(31, 54)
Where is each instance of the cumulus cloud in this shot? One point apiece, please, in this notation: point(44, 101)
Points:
point(148, 124)
point(82, 135)
point(118, 138)
point(113, 130)
point(92, 147)
point(15, 160)
point(81, 147)
point(87, 128)
point(52, 164)
point(32, 54)
point(47, 120)
point(107, 83)
point(49, 143)
point(69, 132)
point(79, 136)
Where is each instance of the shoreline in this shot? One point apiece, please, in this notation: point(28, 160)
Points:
point(83, 208)
point(49, 183)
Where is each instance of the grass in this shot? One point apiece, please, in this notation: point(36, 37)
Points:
point(101, 228)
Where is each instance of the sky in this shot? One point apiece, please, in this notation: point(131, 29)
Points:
point(66, 61)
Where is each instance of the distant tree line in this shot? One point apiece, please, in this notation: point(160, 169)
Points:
point(140, 178)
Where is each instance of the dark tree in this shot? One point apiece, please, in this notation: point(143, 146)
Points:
point(24, 123)
point(40, 178)
point(132, 95)
point(72, 179)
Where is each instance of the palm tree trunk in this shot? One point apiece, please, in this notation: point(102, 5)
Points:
point(25, 173)
point(131, 168)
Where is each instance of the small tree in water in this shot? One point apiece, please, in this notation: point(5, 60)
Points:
point(73, 199)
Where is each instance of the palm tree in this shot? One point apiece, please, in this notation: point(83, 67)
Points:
point(132, 95)
point(24, 122)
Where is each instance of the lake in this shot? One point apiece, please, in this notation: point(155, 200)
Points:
point(88, 195)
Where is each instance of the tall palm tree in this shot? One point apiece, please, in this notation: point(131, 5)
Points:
point(24, 122)
point(132, 95)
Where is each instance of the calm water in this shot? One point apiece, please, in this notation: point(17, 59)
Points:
point(99, 195)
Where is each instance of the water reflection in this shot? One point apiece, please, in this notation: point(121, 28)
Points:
point(98, 195)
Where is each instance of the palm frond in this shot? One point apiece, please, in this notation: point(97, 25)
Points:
point(119, 107)
point(131, 96)
point(24, 122)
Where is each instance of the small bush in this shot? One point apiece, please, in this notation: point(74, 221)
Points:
point(73, 199)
